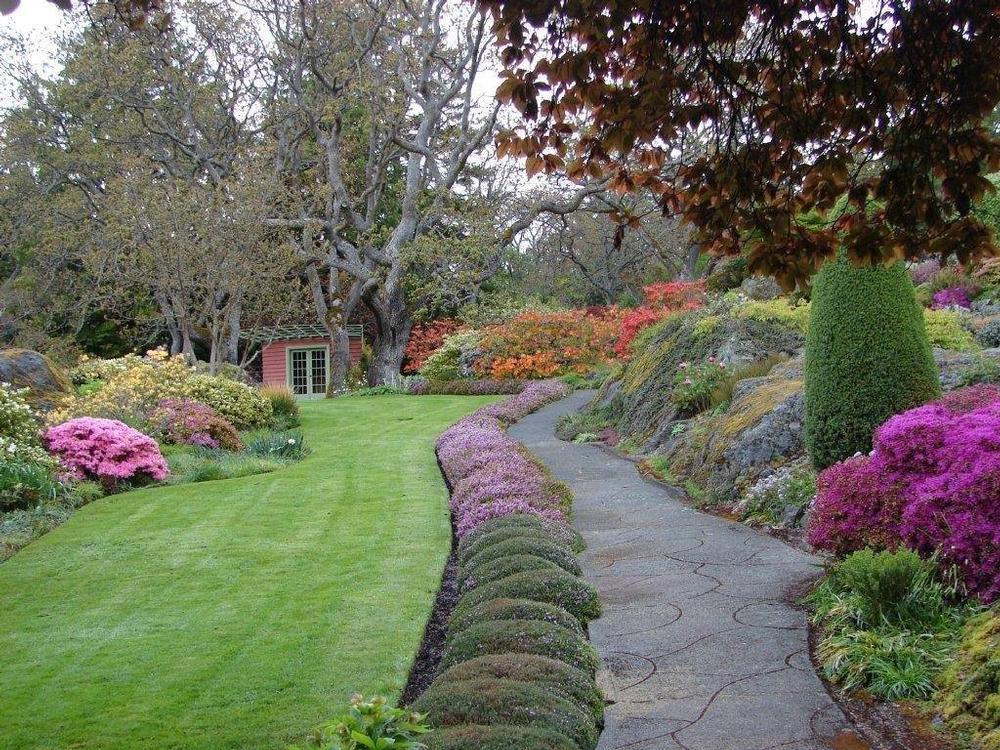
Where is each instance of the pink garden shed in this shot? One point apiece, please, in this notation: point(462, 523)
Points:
point(299, 356)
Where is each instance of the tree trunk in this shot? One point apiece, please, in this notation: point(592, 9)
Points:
point(340, 359)
point(233, 330)
point(394, 325)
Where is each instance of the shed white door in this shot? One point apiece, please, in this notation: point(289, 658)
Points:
point(307, 371)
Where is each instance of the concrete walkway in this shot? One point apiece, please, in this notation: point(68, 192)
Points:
point(700, 649)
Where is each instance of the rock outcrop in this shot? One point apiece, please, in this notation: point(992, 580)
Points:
point(24, 368)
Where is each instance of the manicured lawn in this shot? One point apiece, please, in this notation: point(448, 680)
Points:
point(236, 613)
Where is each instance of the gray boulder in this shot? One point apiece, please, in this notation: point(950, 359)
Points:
point(24, 368)
point(761, 288)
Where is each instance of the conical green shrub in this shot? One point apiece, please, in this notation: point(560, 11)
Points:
point(867, 357)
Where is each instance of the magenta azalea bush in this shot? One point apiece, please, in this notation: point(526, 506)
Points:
point(186, 422)
point(953, 296)
point(931, 483)
point(106, 450)
point(491, 474)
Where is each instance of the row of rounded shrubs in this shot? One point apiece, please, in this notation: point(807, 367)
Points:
point(517, 671)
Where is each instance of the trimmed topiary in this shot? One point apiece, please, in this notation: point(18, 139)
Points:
point(493, 570)
point(474, 737)
point(555, 552)
point(867, 357)
point(515, 609)
point(571, 593)
point(507, 702)
point(559, 531)
point(571, 683)
point(467, 551)
point(520, 637)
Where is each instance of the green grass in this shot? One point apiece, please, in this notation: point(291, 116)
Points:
point(238, 613)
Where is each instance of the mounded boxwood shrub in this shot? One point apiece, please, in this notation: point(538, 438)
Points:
point(571, 593)
point(493, 570)
point(559, 531)
point(555, 552)
point(515, 609)
point(867, 357)
point(507, 702)
point(520, 637)
point(474, 737)
point(551, 674)
point(469, 549)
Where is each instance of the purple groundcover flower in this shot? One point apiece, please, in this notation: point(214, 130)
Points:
point(932, 483)
point(491, 474)
point(953, 296)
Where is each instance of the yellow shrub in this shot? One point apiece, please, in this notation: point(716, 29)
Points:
point(777, 311)
point(945, 329)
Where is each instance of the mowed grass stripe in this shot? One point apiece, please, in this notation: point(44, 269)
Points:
point(237, 613)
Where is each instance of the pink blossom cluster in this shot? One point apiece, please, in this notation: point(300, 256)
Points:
point(183, 421)
point(106, 450)
point(932, 483)
point(953, 296)
point(491, 474)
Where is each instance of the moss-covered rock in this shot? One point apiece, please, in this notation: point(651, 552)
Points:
point(475, 737)
point(547, 549)
point(471, 576)
point(640, 398)
point(867, 357)
point(515, 609)
point(569, 682)
point(45, 381)
point(552, 529)
point(970, 693)
point(571, 593)
point(493, 702)
point(520, 637)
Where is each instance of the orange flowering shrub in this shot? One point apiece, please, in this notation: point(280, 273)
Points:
point(543, 344)
point(659, 301)
point(425, 339)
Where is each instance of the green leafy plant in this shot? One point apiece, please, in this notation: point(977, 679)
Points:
point(867, 357)
point(694, 384)
point(278, 445)
point(945, 330)
point(889, 623)
point(722, 395)
point(372, 725)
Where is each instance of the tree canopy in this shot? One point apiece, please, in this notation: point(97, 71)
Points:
point(802, 102)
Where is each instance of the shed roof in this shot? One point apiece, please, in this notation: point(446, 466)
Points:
point(298, 331)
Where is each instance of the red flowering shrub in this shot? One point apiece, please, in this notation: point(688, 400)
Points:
point(659, 301)
point(542, 344)
point(106, 450)
point(942, 460)
point(185, 422)
point(425, 339)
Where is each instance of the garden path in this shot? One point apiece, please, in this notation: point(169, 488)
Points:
point(701, 648)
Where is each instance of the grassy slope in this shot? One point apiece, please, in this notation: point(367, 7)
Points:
point(238, 613)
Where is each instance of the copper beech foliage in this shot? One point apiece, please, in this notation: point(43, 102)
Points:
point(799, 104)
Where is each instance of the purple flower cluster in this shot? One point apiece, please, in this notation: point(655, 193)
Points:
point(923, 272)
point(953, 296)
point(183, 421)
point(932, 482)
point(491, 474)
point(105, 449)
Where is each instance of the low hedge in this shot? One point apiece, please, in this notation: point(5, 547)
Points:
point(520, 637)
point(554, 529)
point(551, 674)
point(515, 609)
point(493, 570)
point(468, 550)
point(571, 593)
point(507, 702)
point(555, 552)
point(474, 737)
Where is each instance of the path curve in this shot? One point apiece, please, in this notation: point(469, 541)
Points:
point(701, 651)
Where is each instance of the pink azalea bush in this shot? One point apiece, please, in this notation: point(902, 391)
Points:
point(186, 422)
point(106, 450)
point(932, 483)
point(491, 475)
